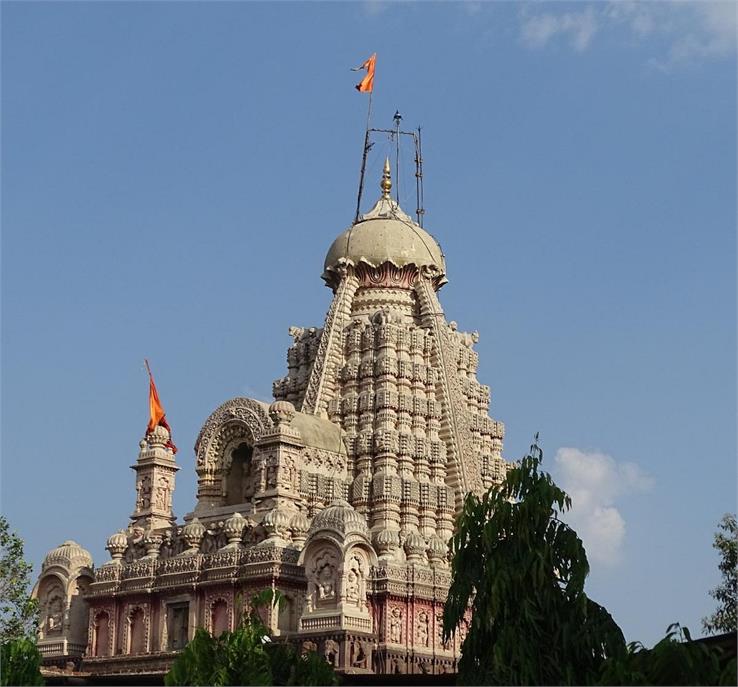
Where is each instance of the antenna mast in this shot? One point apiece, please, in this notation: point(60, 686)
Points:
point(367, 146)
point(419, 209)
point(398, 118)
point(395, 134)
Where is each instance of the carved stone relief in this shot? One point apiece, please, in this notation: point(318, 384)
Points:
point(143, 493)
point(54, 611)
point(360, 654)
point(422, 635)
point(395, 625)
point(331, 652)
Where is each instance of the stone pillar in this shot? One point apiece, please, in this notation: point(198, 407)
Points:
point(277, 456)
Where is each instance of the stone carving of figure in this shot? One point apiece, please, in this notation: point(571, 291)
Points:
point(421, 634)
point(396, 625)
point(331, 652)
point(439, 630)
point(143, 496)
point(352, 586)
point(326, 581)
point(354, 582)
point(287, 472)
point(271, 477)
point(296, 333)
point(358, 654)
point(161, 500)
point(308, 646)
point(399, 666)
point(54, 615)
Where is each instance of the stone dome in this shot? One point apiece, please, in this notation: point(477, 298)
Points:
point(340, 517)
point(69, 555)
point(385, 234)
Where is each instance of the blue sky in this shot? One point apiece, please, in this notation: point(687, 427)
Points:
point(173, 174)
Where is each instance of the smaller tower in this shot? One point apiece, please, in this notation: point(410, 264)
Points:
point(66, 573)
point(155, 472)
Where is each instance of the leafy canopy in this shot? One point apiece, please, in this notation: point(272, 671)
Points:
point(247, 656)
point(20, 662)
point(726, 542)
point(521, 572)
point(18, 611)
point(675, 660)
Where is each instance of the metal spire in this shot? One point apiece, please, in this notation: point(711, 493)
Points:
point(386, 183)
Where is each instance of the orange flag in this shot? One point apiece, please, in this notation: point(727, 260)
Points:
point(157, 416)
point(366, 85)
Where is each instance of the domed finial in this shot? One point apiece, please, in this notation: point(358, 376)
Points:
point(386, 183)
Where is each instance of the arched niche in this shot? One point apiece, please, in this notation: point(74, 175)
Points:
point(356, 565)
point(137, 631)
point(101, 634)
point(322, 568)
point(238, 480)
point(287, 616)
point(236, 421)
point(219, 620)
point(52, 606)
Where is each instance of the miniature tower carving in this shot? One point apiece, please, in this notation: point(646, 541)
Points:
point(155, 473)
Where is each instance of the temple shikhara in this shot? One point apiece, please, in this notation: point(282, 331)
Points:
point(341, 492)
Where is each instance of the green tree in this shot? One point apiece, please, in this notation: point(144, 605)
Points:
point(726, 542)
point(20, 662)
point(675, 660)
point(18, 611)
point(520, 571)
point(247, 656)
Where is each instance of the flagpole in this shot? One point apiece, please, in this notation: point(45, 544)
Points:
point(363, 158)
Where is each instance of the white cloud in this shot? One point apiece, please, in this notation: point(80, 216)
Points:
point(595, 481)
point(713, 34)
point(687, 31)
point(372, 8)
point(539, 29)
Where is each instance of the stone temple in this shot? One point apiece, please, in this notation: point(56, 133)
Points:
point(341, 493)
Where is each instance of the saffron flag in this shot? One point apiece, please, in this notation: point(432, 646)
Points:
point(157, 416)
point(366, 85)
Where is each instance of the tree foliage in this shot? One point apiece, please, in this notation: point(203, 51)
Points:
point(521, 572)
point(18, 611)
point(246, 656)
point(725, 618)
point(675, 660)
point(20, 662)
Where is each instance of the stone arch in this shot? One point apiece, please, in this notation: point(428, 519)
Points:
point(220, 615)
point(357, 562)
point(238, 473)
point(102, 633)
point(52, 598)
point(322, 568)
point(137, 630)
point(236, 422)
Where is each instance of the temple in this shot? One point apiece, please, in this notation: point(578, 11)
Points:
point(341, 492)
